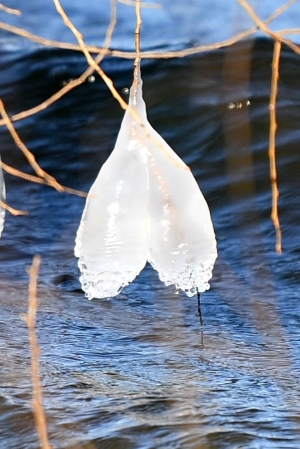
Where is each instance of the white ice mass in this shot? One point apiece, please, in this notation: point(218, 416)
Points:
point(145, 205)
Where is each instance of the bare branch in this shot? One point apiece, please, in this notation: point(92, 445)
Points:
point(12, 210)
point(109, 83)
point(30, 319)
point(31, 178)
point(272, 144)
point(46, 42)
point(8, 10)
point(27, 153)
point(143, 4)
point(265, 29)
point(279, 11)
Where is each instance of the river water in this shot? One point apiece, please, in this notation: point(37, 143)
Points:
point(134, 371)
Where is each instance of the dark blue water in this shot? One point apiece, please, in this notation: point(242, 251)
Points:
point(132, 372)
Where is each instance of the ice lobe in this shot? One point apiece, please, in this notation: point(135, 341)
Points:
point(112, 239)
point(144, 205)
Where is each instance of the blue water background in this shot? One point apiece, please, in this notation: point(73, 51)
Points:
point(133, 372)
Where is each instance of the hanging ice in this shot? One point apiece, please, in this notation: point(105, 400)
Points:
point(2, 198)
point(145, 205)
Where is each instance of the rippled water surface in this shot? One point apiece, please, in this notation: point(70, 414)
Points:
point(134, 371)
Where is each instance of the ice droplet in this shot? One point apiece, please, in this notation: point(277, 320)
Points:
point(2, 197)
point(144, 205)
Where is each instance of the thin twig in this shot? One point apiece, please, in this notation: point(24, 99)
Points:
point(42, 174)
point(137, 61)
point(109, 83)
point(88, 56)
point(12, 210)
point(147, 54)
point(27, 153)
point(30, 319)
point(143, 4)
point(279, 11)
point(8, 10)
point(76, 82)
point(266, 29)
point(43, 41)
point(288, 31)
point(55, 97)
point(127, 55)
point(138, 29)
point(109, 31)
point(122, 54)
point(272, 144)
point(31, 178)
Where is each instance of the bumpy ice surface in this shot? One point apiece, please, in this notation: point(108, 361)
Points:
point(145, 205)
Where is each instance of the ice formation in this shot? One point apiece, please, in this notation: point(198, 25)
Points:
point(145, 205)
point(2, 198)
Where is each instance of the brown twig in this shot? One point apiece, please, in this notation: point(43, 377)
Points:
point(110, 31)
point(30, 319)
point(45, 104)
point(12, 210)
point(151, 55)
point(137, 42)
point(288, 31)
point(138, 29)
point(109, 83)
point(43, 41)
point(31, 178)
point(279, 11)
point(94, 65)
point(143, 4)
point(121, 54)
point(127, 55)
point(8, 10)
point(27, 153)
point(272, 144)
point(88, 56)
point(74, 83)
point(42, 174)
point(266, 29)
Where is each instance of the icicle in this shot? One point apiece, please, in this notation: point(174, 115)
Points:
point(144, 205)
point(2, 197)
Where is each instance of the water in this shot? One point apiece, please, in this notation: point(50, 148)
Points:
point(133, 372)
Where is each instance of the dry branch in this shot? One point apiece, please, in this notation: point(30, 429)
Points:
point(30, 319)
point(12, 210)
point(274, 35)
point(122, 54)
point(143, 4)
point(8, 10)
point(31, 178)
point(27, 153)
point(277, 36)
point(149, 54)
point(42, 175)
point(109, 83)
point(272, 144)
